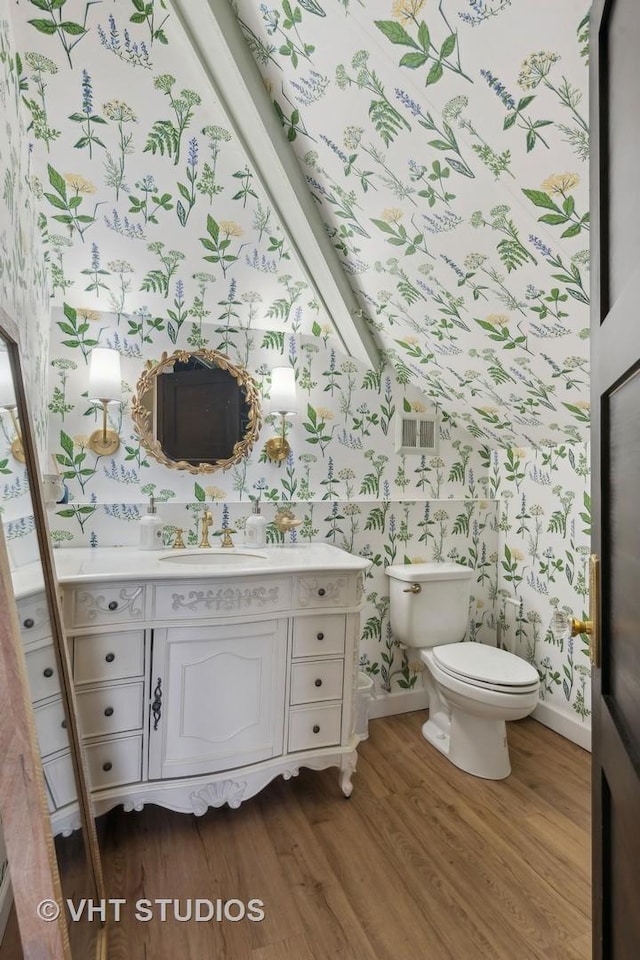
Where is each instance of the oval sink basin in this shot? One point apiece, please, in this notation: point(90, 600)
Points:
point(213, 558)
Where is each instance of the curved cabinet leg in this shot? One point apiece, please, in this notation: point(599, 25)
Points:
point(347, 769)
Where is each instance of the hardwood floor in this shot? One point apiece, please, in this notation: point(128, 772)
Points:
point(422, 862)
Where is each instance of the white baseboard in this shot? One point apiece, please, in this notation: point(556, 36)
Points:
point(404, 701)
point(6, 899)
point(565, 725)
point(400, 701)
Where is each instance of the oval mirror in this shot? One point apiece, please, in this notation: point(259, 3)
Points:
point(196, 411)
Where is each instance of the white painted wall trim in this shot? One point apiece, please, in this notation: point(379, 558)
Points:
point(401, 701)
point(405, 701)
point(565, 725)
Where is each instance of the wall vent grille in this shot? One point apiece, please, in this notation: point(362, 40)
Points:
point(417, 434)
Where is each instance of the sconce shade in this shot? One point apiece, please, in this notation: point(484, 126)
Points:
point(105, 379)
point(283, 391)
point(7, 393)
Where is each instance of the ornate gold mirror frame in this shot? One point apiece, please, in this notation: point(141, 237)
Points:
point(143, 409)
point(26, 823)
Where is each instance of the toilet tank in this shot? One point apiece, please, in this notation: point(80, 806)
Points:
point(436, 614)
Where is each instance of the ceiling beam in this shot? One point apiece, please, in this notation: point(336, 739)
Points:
point(216, 38)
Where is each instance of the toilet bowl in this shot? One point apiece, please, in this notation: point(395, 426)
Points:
point(474, 689)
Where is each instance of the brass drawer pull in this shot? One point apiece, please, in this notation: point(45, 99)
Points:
point(47, 672)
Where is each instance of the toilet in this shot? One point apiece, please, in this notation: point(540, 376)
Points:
point(473, 688)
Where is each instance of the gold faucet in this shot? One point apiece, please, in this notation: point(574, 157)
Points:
point(178, 543)
point(225, 533)
point(207, 521)
point(285, 520)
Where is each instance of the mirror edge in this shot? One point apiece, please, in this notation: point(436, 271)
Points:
point(26, 822)
point(140, 413)
point(10, 332)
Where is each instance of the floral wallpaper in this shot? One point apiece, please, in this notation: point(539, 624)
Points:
point(446, 147)
point(545, 526)
point(24, 282)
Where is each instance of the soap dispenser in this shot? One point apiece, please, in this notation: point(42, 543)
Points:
point(151, 528)
point(255, 529)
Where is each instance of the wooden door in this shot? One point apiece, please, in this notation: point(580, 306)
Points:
point(615, 114)
point(222, 703)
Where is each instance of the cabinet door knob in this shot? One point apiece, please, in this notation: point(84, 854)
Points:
point(318, 682)
point(316, 728)
point(320, 636)
point(108, 712)
point(28, 623)
point(107, 766)
point(321, 592)
point(47, 672)
point(113, 605)
point(110, 657)
point(64, 724)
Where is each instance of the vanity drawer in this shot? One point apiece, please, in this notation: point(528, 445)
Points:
point(316, 680)
point(108, 764)
point(319, 636)
point(113, 656)
point(59, 778)
point(107, 604)
point(33, 615)
point(221, 598)
point(113, 762)
point(322, 590)
point(317, 726)
point(110, 709)
point(51, 728)
point(42, 671)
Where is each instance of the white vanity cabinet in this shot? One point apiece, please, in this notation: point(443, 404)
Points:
point(44, 682)
point(196, 688)
point(218, 696)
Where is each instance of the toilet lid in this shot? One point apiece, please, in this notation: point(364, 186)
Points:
point(480, 664)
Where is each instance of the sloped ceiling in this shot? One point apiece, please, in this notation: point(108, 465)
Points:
point(418, 128)
point(446, 147)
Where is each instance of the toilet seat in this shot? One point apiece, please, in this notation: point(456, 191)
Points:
point(486, 667)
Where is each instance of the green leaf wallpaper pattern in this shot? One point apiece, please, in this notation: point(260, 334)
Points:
point(24, 281)
point(428, 177)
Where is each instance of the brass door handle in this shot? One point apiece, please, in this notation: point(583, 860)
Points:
point(591, 627)
point(414, 588)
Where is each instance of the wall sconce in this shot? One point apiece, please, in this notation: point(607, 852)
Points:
point(105, 385)
point(283, 402)
point(8, 402)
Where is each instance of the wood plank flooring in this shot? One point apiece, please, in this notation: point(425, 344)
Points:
point(423, 862)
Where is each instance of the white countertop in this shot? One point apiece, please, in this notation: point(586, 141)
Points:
point(27, 580)
point(86, 564)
